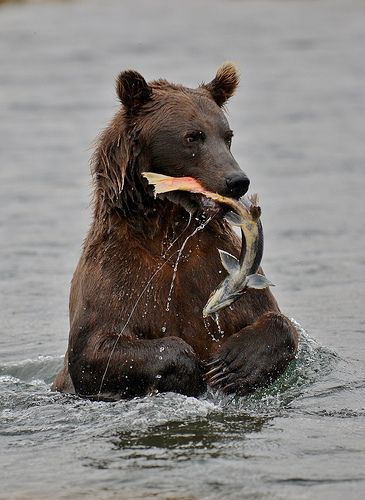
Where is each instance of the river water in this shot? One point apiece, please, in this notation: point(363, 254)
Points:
point(299, 129)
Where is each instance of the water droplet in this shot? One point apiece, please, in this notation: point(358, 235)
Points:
point(160, 357)
point(220, 330)
point(163, 331)
point(158, 376)
point(162, 349)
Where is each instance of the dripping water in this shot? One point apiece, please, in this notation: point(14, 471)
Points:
point(208, 328)
point(220, 330)
point(196, 230)
point(177, 237)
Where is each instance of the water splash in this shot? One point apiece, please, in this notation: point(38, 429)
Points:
point(317, 374)
point(42, 368)
point(179, 255)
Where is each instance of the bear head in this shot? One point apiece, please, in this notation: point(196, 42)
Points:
point(169, 129)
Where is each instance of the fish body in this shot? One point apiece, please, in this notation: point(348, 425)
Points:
point(242, 272)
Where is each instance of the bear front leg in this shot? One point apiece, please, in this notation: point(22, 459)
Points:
point(121, 367)
point(255, 356)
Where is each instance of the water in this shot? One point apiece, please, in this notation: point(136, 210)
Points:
point(298, 120)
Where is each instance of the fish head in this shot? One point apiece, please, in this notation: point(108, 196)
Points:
point(222, 297)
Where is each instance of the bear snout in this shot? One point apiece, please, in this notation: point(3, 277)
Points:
point(237, 184)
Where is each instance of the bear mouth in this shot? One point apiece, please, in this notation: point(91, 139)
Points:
point(195, 204)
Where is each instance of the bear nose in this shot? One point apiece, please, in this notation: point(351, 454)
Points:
point(237, 184)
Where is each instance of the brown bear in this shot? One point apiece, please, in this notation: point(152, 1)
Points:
point(149, 264)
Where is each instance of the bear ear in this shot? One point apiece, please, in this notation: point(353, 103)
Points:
point(224, 84)
point(132, 90)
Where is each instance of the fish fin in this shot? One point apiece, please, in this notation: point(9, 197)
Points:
point(229, 262)
point(233, 218)
point(258, 281)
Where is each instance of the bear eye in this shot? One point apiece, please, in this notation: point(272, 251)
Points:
point(228, 138)
point(195, 136)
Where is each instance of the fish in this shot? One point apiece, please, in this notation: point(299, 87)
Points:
point(244, 213)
